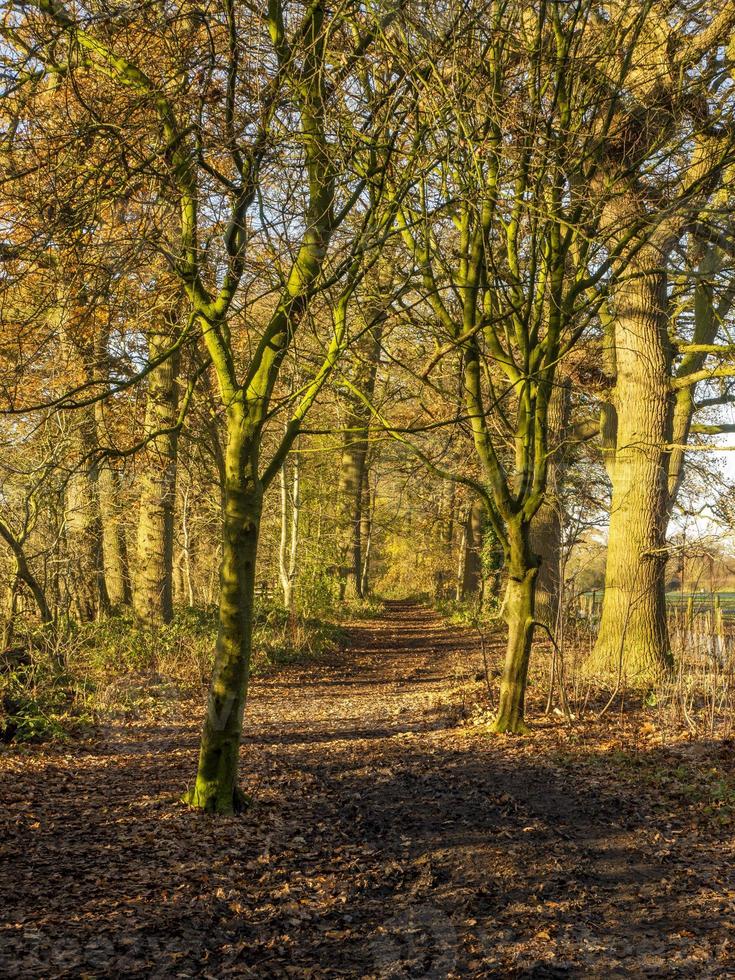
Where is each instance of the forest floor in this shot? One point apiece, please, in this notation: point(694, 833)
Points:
point(388, 837)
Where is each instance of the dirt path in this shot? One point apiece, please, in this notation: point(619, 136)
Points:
point(385, 840)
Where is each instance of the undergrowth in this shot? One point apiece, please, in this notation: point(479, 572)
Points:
point(55, 686)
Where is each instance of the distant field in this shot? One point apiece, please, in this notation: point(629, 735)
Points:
point(703, 601)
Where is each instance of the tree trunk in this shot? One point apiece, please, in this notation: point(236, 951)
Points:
point(23, 573)
point(84, 525)
point(546, 527)
point(350, 495)
point(366, 533)
point(520, 600)
point(462, 559)
point(153, 587)
point(633, 640)
point(114, 551)
point(354, 456)
point(215, 789)
point(288, 548)
point(471, 582)
point(186, 548)
point(114, 557)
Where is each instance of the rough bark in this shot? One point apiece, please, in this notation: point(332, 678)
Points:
point(82, 518)
point(153, 586)
point(113, 545)
point(633, 638)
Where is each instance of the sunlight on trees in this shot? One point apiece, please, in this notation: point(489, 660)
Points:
point(457, 279)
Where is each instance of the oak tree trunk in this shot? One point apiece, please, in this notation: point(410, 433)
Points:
point(633, 640)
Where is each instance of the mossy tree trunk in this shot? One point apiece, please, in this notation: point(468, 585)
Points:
point(114, 550)
point(303, 87)
point(153, 586)
point(215, 789)
point(82, 518)
point(22, 573)
point(351, 476)
point(511, 330)
point(520, 606)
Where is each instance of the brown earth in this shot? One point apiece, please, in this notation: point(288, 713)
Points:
point(387, 838)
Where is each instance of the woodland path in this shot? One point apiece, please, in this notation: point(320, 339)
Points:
point(386, 839)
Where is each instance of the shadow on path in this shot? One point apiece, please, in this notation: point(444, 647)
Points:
point(381, 843)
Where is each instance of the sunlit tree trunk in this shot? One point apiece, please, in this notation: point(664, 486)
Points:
point(288, 548)
point(114, 556)
point(368, 514)
point(153, 586)
point(82, 518)
point(633, 638)
point(519, 612)
point(215, 789)
point(186, 548)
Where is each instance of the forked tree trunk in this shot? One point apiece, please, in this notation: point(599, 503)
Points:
point(153, 586)
point(215, 789)
point(520, 599)
point(633, 639)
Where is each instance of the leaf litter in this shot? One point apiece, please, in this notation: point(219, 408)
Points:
point(389, 836)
